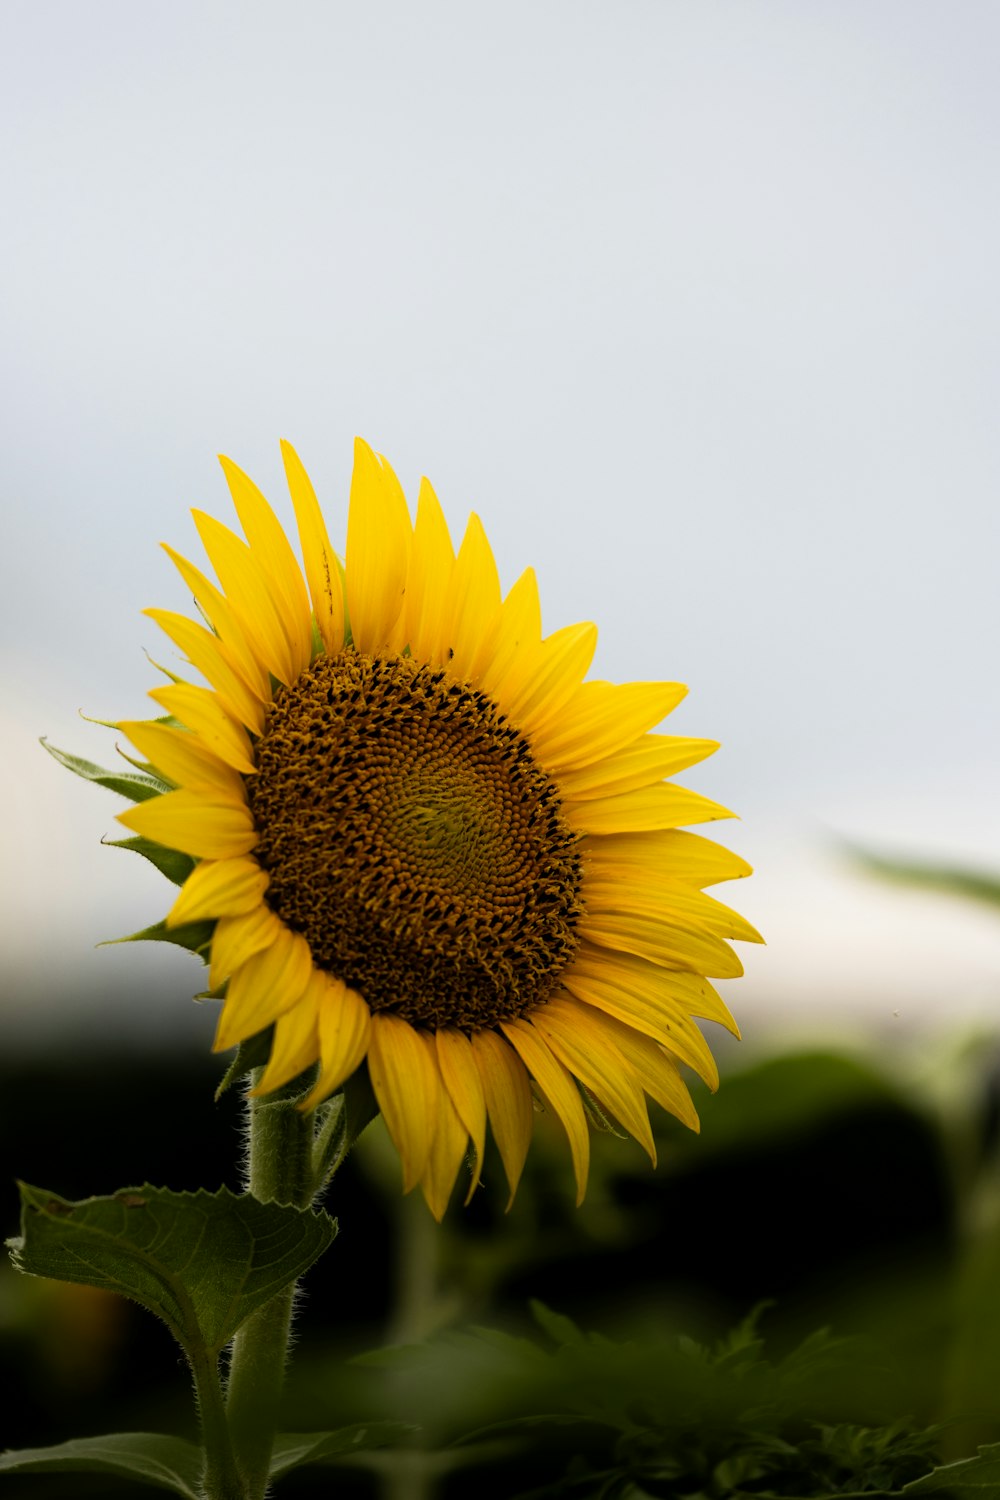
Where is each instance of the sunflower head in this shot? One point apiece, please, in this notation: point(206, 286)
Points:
point(427, 842)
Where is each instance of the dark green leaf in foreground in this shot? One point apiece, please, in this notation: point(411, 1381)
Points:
point(978, 1476)
point(293, 1449)
point(150, 1457)
point(134, 785)
point(203, 1262)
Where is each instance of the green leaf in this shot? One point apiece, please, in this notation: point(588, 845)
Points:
point(293, 1449)
point(151, 1457)
point(195, 936)
point(170, 862)
point(560, 1329)
point(948, 879)
point(970, 1476)
point(203, 1262)
point(136, 787)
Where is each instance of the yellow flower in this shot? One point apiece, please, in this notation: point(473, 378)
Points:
point(426, 841)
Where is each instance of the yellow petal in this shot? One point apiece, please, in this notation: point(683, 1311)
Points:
point(428, 583)
point(665, 900)
point(519, 630)
point(212, 658)
point(560, 1091)
point(508, 1101)
point(602, 718)
point(475, 602)
point(263, 988)
point(458, 1069)
point(408, 1088)
point(294, 1047)
point(585, 1046)
point(344, 1034)
point(622, 988)
point(378, 549)
point(192, 823)
point(224, 620)
point(656, 1071)
point(447, 1148)
point(679, 991)
point(202, 712)
point(669, 851)
point(220, 888)
point(647, 761)
point(556, 671)
point(674, 946)
point(272, 552)
point(651, 807)
point(247, 587)
point(182, 758)
point(237, 939)
point(323, 571)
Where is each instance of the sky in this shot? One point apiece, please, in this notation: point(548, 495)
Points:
point(694, 304)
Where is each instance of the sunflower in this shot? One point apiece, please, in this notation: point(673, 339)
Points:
point(427, 843)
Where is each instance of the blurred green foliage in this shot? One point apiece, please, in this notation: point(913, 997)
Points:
point(855, 1189)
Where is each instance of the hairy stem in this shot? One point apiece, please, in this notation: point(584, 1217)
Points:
point(279, 1170)
point(221, 1478)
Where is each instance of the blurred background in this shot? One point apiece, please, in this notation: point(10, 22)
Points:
point(696, 306)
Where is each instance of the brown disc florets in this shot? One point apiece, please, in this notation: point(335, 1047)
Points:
point(414, 842)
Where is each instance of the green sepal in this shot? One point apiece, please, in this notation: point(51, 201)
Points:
point(250, 1054)
point(360, 1104)
point(194, 936)
point(145, 766)
point(293, 1449)
point(170, 862)
point(203, 1262)
point(339, 1121)
point(597, 1116)
point(171, 676)
point(152, 1458)
point(133, 785)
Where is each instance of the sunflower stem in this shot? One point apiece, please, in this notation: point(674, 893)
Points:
point(278, 1170)
point(221, 1478)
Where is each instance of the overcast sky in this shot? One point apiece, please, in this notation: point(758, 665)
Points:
point(695, 303)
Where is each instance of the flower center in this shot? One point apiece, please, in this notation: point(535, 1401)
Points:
point(414, 842)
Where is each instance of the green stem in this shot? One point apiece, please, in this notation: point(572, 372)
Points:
point(279, 1170)
point(222, 1480)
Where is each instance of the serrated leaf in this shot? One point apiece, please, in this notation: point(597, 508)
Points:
point(151, 1457)
point(170, 862)
point(970, 1476)
point(130, 784)
point(293, 1449)
point(195, 936)
point(203, 1262)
